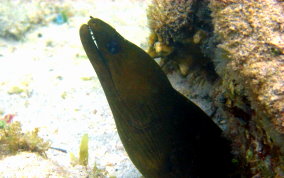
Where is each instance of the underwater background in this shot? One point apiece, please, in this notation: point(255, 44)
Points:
point(224, 55)
point(47, 82)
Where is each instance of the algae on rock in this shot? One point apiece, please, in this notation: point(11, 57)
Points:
point(251, 39)
point(12, 140)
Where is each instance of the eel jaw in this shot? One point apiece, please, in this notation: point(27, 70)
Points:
point(93, 36)
point(97, 60)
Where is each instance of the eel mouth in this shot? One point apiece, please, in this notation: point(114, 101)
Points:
point(91, 46)
point(96, 56)
point(92, 35)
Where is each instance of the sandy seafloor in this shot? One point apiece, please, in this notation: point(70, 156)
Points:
point(61, 93)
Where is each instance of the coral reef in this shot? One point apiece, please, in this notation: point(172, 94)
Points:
point(230, 54)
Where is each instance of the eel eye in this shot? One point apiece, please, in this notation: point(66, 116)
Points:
point(113, 47)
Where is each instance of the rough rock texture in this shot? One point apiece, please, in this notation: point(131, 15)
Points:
point(251, 42)
point(232, 65)
point(259, 56)
point(171, 20)
point(184, 53)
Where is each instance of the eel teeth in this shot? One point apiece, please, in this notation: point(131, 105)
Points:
point(93, 36)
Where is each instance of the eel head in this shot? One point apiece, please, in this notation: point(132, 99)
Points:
point(123, 68)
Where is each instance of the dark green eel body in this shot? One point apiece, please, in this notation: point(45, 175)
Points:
point(164, 133)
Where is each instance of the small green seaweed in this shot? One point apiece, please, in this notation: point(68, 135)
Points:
point(84, 150)
point(275, 51)
point(235, 161)
point(15, 90)
point(73, 159)
point(86, 78)
point(249, 155)
point(83, 159)
point(83, 153)
point(2, 124)
point(100, 172)
point(64, 95)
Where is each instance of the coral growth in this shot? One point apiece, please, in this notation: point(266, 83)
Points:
point(179, 29)
point(13, 140)
point(171, 19)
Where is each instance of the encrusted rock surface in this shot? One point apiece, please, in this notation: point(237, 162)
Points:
point(231, 62)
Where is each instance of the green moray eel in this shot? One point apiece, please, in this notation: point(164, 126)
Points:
point(164, 133)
